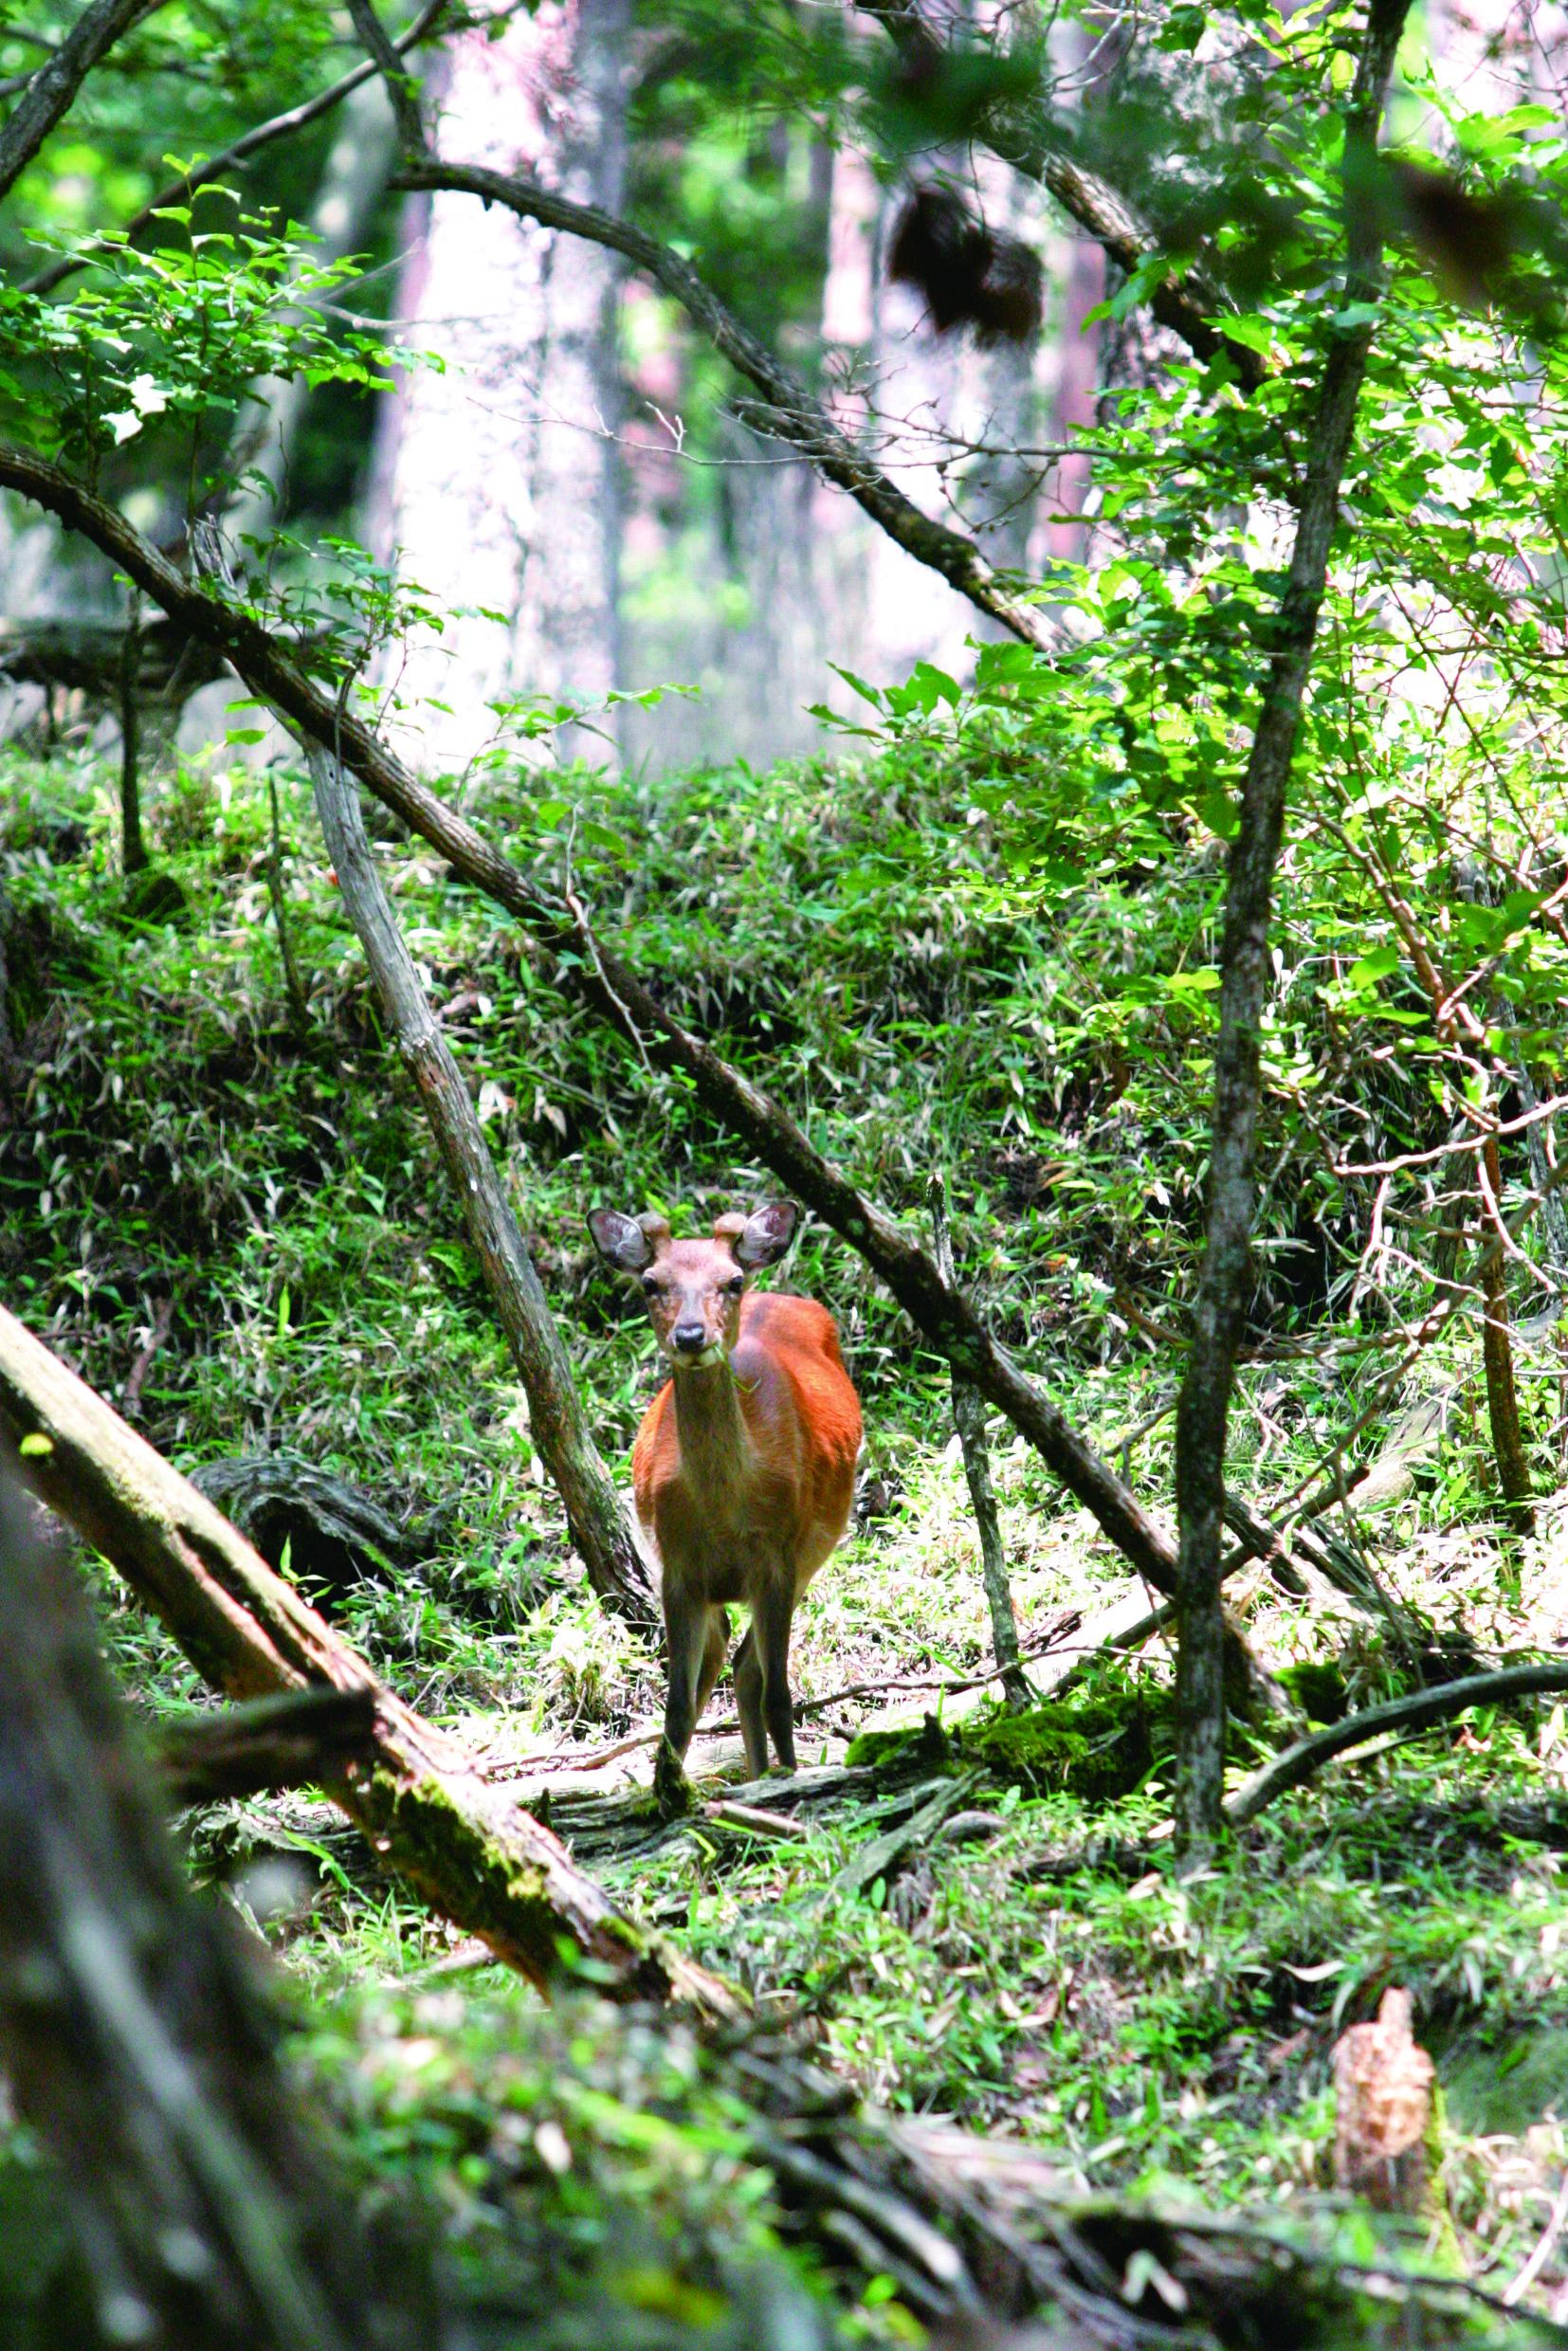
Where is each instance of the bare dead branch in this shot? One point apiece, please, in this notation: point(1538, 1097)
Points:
point(1308, 1756)
point(786, 411)
point(1188, 302)
point(300, 1739)
point(601, 1529)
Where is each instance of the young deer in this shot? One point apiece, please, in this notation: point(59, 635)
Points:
point(744, 1466)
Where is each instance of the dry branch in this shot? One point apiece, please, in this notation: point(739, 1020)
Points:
point(601, 1529)
point(1308, 1756)
point(431, 1818)
point(300, 1739)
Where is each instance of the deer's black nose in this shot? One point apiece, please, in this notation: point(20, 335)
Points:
point(690, 1337)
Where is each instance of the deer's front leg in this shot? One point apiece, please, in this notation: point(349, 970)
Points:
point(685, 1644)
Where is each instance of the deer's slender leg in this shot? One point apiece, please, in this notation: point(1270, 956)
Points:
point(748, 1697)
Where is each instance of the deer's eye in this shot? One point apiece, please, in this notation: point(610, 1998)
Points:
point(734, 1287)
point(652, 1286)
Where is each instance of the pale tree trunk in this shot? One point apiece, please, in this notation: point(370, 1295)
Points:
point(503, 472)
point(931, 396)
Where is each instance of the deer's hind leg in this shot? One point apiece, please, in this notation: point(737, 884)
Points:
point(713, 1657)
point(771, 1623)
point(748, 1698)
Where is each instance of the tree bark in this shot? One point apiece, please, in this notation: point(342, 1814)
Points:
point(52, 89)
point(297, 1739)
point(1203, 1411)
point(130, 2033)
point(1497, 1351)
point(600, 1527)
point(431, 1818)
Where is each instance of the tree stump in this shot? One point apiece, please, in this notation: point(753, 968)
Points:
point(1383, 2099)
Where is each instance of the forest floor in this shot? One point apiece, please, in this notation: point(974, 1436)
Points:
point(238, 1233)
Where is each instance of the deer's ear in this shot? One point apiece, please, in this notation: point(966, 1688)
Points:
point(620, 1240)
point(764, 1238)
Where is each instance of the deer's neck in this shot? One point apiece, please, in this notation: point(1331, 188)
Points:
point(715, 1447)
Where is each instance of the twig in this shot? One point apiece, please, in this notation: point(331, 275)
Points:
point(163, 1314)
point(1544, 2252)
point(787, 411)
point(1122, 1631)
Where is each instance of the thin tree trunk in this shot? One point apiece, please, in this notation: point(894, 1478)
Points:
point(130, 2033)
point(1204, 1407)
point(1497, 1349)
point(969, 1419)
point(430, 1818)
point(600, 1527)
point(133, 848)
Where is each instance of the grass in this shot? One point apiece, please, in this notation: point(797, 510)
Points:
point(1055, 1982)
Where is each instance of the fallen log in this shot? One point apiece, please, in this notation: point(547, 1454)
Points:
point(430, 1818)
point(300, 1739)
point(134, 2041)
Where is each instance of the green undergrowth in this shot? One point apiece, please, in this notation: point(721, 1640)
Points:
point(236, 1228)
point(1042, 1972)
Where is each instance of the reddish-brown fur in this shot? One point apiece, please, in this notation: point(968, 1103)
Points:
point(743, 1470)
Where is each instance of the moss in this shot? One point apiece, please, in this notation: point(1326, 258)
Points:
point(1098, 1749)
point(1319, 1689)
point(926, 1746)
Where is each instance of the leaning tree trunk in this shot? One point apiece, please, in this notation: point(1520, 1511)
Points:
point(600, 1527)
point(130, 2033)
point(1204, 1409)
point(503, 471)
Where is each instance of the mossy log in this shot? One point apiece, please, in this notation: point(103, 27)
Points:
point(473, 1854)
point(135, 2043)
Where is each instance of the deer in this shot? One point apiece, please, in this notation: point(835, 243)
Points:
point(743, 1469)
